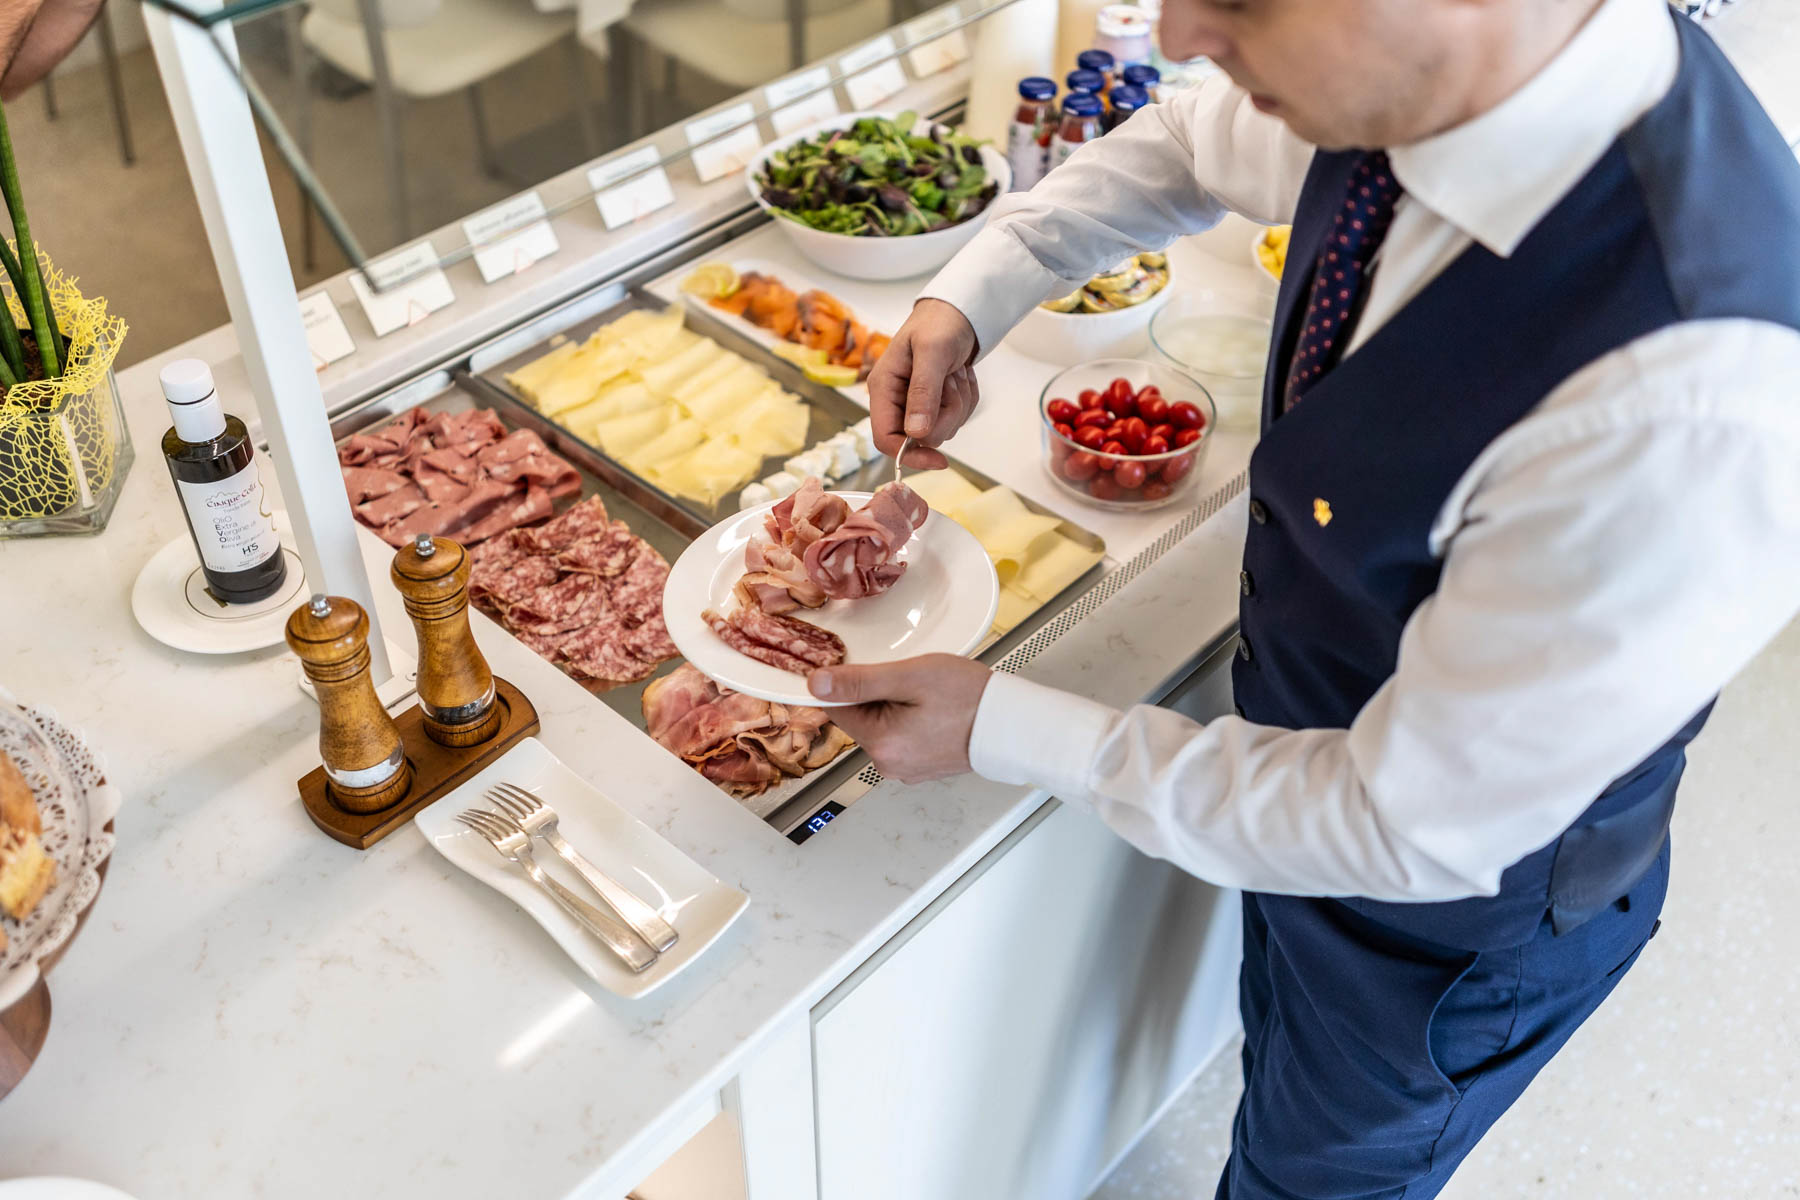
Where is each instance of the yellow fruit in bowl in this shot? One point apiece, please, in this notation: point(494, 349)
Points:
point(1271, 249)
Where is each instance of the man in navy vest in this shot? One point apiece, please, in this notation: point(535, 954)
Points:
point(1526, 498)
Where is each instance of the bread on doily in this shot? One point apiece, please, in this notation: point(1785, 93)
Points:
point(26, 872)
point(18, 807)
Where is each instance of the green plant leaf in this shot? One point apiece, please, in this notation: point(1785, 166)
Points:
point(36, 306)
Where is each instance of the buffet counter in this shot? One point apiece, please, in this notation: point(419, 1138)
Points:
point(256, 1009)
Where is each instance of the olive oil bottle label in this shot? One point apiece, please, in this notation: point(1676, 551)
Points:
point(230, 521)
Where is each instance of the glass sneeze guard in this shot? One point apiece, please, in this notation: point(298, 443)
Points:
point(337, 86)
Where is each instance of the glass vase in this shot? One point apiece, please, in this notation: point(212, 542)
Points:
point(61, 467)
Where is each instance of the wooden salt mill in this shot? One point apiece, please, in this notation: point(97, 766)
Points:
point(456, 687)
point(365, 760)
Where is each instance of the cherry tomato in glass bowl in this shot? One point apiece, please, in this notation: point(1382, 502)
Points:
point(1062, 411)
point(1116, 431)
point(1092, 416)
point(1149, 389)
point(1130, 475)
point(1104, 487)
point(1186, 437)
point(1165, 431)
point(1157, 489)
point(1155, 444)
point(1110, 454)
point(1059, 450)
point(1177, 469)
point(1120, 398)
point(1133, 432)
point(1187, 415)
point(1089, 437)
point(1063, 429)
point(1152, 407)
point(1081, 466)
point(1089, 398)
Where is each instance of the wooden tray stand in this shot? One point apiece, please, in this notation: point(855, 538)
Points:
point(436, 771)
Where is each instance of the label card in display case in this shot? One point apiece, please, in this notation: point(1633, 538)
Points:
point(425, 288)
point(801, 100)
point(326, 335)
point(882, 77)
point(932, 53)
point(638, 196)
point(510, 236)
point(724, 142)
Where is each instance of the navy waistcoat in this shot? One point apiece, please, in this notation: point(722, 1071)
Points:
point(1692, 213)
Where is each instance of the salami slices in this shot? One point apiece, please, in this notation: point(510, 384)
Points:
point(582, 591)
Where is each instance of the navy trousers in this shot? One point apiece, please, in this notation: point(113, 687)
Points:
point(1374, 1061)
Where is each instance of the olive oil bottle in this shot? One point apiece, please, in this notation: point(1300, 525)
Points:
point(213, 464)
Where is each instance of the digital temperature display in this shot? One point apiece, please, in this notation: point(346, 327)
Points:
point(815, 822)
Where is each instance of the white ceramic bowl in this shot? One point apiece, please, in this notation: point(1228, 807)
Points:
point(876, 258)
point(1069, 338)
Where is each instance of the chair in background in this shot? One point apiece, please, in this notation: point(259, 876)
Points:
point(746, 42)
point(418, 49)
point(115, 85)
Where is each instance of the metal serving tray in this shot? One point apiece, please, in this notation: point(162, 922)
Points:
point(671, 523)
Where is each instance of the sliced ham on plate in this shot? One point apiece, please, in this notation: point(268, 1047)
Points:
point(856, 559)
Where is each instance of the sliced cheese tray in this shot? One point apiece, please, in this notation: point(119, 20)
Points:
point(604, 498)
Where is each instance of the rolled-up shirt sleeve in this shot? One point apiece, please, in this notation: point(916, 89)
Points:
point(1172, 169)
point(1609, 564)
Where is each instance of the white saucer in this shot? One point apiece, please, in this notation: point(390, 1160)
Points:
point(944, 604)
point(172, 604)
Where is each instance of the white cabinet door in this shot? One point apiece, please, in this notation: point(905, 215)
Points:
point(1017, 1044)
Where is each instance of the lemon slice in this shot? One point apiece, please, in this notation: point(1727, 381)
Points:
point(831, 376)
point(714, 280)
point(800, 356)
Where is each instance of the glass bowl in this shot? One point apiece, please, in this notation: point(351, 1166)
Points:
point(1220, 336)
point(1121, 480)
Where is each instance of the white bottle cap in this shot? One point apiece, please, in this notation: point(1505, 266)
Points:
point(187, 384)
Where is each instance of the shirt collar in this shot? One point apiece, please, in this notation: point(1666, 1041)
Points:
point(1497, 175)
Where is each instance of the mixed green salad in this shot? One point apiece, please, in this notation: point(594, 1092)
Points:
point(878, 179)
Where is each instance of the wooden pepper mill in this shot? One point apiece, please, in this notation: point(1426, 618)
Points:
point(456, 688)
point(365, 760)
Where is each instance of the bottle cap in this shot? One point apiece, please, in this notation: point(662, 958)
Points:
point(1036, 87)
point(1095, 60)
point(1142, 75)
point(1128, 99)
point(187, 385)
point(1083, 104)
point(1086, 81)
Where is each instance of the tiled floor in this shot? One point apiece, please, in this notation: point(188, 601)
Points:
point(1687, 1083)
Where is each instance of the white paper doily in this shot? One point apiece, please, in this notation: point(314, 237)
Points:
point(67, 777)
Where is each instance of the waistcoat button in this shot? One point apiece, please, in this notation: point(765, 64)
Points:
point(1246, 584)
point(1259, 512)
point(1244, 648)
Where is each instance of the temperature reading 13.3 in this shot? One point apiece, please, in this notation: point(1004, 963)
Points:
point(815, 822)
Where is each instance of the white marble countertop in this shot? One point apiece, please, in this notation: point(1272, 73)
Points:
point(254, 1009)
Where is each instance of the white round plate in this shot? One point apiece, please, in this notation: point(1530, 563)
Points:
point(58, 1188)
point(944, 604)
point(170, 601)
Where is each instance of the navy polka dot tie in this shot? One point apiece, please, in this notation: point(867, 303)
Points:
point(1341, 274)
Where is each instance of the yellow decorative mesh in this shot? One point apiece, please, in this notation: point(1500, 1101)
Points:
point(59, 437)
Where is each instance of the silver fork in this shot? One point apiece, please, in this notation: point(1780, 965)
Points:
point(513, 843)
point(539, 820)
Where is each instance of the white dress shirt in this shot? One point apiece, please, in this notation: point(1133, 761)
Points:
point(1609, 562)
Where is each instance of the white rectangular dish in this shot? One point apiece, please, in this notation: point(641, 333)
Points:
point(697, 904)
